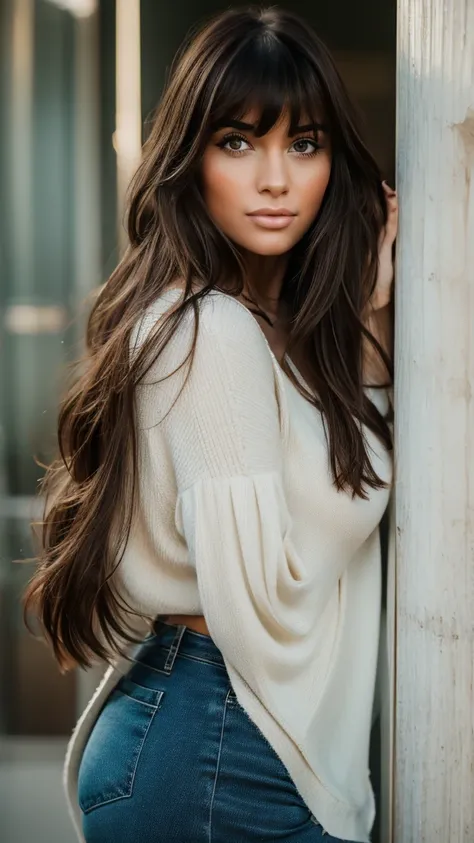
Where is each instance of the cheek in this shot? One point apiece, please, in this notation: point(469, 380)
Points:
point(218, 182)
point(312, 190)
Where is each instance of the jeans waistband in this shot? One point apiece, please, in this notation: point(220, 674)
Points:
point(179, 638)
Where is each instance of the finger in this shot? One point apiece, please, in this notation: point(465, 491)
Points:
point(391, 203)
point(388, 190)
point(392, 212)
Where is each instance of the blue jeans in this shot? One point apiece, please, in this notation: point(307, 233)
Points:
point(174, 758)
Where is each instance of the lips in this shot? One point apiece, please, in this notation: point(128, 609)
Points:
point(271, 218)
point(272, 212)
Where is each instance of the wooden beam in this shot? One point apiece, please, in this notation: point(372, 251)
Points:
point(434, 360)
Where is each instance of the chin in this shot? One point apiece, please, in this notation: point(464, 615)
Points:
point(275, 248)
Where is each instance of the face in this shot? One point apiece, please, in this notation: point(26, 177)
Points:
point(242, 174)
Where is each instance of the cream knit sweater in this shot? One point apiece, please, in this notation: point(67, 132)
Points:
point(238, 519)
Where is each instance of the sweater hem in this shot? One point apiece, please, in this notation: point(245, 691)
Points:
point(340, 819)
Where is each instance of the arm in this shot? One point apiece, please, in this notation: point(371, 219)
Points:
point(380, 324)
point(224, 441)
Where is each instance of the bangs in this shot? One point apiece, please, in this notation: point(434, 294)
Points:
point(266, 78)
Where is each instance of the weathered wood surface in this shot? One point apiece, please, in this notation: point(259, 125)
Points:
point(434, 746)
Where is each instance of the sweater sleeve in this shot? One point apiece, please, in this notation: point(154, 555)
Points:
point(224, 439)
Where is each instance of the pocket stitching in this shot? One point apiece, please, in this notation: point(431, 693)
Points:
point(127, 793)
point(125, 683)
point(142, 702)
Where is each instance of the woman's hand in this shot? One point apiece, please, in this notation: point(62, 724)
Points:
point(383, 288)
point(378, 316)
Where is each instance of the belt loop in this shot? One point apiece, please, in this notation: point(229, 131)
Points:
point(174, 647)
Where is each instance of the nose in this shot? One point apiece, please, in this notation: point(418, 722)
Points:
point(272, 173)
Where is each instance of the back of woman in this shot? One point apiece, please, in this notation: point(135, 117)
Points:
point(212, 525)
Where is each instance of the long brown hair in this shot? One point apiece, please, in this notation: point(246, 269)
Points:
point(263, 57)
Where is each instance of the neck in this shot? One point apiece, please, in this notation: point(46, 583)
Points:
point(264, 281)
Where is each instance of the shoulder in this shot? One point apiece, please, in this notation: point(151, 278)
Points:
point(217, 377)
point(224, 325)
point(232, 380)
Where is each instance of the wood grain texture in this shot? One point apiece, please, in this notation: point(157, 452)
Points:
point(434, 359)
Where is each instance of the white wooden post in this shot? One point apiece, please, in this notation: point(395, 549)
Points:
point(434, 709)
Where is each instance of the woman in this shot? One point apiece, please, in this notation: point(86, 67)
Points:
point(213, 528)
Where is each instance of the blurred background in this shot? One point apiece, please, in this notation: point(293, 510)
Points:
point(79, 80)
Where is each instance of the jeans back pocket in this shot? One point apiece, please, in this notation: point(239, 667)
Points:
point(111, 756)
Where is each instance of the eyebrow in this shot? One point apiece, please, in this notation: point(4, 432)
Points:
point(239, 124)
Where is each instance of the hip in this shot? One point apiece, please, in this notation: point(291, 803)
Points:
point(174, 757)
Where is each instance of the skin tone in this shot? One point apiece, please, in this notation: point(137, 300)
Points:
point(242, 173)
point(378, 318)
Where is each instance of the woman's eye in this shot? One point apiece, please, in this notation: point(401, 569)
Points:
point(232, 139)
point(305, 142)
point(232, 144)
point(237, 141)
